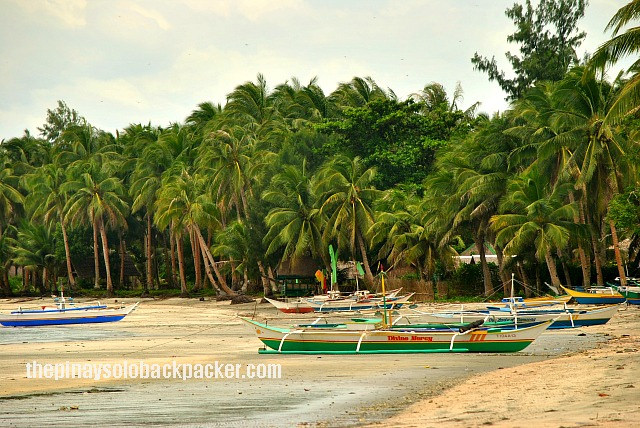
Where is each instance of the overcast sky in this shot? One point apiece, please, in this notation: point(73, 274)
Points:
point(123, 61)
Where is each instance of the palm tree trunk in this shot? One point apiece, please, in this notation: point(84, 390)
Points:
point(368, 275)
point(105, 250)
point(504, 275)
point(486, 274)
point(67, 253)
point(167, 264)
point(565, 269)
point(245, 285)
point(551, 265)
point(196, 260)
point(584, 261)
point(272, 281)
point(149, 283)
point(266, 289)
point(172, 243)
point(209, 257)
point(616, 249)
point(183, 280)
point(598, 261)
point(96, 255)
point(207, 269)
point(43, 284)
point(122, 254)
point(5, 284)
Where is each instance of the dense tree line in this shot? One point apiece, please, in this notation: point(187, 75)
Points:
point(219, 200)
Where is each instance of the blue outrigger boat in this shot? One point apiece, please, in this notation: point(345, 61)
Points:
point(62, 314)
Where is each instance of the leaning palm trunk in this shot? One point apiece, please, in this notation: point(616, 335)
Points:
point(67, 253)
point(266, 288)
point(486, 274)
point(553, 272)
point(368, 275)
point(183, 280)
point(195, 246)
point(96, 253)
point(565, 269)
point(616, 249)
point(207, 269)
point(209, 258)
point(105, 250)
point(272, 281)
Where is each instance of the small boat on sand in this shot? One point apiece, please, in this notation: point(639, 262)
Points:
point(596, 296)
point(392, 341)
point(563, 318)
point(62, 314)
point(354, 302)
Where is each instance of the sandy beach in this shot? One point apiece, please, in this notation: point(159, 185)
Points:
point(576, 377)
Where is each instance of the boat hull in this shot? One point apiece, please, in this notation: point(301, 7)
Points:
point(354, 305)
point(390, 341)
point(595, 298)
point(561, 319)
point(295, 307)
point(64, 317)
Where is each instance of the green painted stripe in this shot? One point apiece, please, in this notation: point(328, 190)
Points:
point(319, 346)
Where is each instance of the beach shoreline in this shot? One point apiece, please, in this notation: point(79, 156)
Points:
point(387, 390)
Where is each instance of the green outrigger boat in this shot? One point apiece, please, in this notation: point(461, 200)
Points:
point(394, 340)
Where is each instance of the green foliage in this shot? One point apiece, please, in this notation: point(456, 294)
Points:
point(548, 37)
point(624, 210)
point(394, 136)
point(467, 279)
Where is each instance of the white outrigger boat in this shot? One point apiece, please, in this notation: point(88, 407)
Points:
point(62, 314)
point(354, 302)
point(563, 318)
point(300, 340)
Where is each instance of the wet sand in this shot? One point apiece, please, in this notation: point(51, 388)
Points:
point(323, 390)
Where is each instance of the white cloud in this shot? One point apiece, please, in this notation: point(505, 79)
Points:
point(252, 10)
point(70, 13)
point(149, 14)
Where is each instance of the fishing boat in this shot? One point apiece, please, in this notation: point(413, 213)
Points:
point(62, 314)
point(341, 305)
point(596, 296)
point(353, 302)
point(631, 293)
point(392, 341)
point(297, 306)
point(562, 318)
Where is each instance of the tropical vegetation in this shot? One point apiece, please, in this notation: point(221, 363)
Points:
point(219, 201)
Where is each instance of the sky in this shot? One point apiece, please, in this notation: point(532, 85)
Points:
point(119, 62)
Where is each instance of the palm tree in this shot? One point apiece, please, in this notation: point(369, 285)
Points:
point(97, 198)
point(47, 201)
point(358, 92)
point(545, 147)
point(10, 197)
point(535, 216)
point(599, 150)
point(346, 198)
point(234, 244)
point(183, 203)
point(620, 46)
point(35, 249)
point(294, 223)
point(146, 180)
